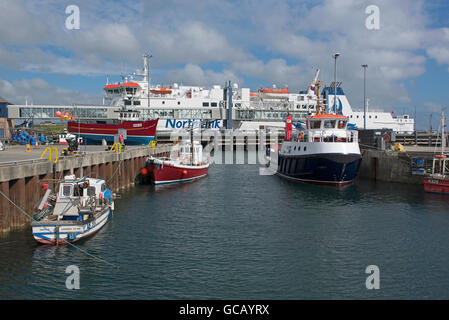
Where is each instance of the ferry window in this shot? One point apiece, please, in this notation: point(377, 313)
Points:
point(127, 102)
point(376, 117)
point(163, 102)
point(329, 124)
point(315, 124)
point(213, 104)
point(305, 148)
point(103, 187)
point(91, 191)
point(370, 117)
point(357, 117)
point(179, 102)
point(66, 191)
point(205, 104)
point(137, 103)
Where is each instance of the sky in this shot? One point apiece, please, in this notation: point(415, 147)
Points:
point(255, 43)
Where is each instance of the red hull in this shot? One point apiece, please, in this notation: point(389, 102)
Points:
point(133, 128)
point(436, 185)
point(175, 173)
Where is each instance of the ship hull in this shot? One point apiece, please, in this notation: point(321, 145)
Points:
point(326, 169)
point(170, 172)
point(64, 232)
point(436, 185)
point(137, 132)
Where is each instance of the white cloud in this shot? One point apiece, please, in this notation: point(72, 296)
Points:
point(38, 91)
point(193, 74)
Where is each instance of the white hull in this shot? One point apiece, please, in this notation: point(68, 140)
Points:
point(61, 232)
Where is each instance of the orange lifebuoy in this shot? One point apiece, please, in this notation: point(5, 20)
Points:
point(440, 156)
point(387, 137)
point(121, 138)
point(301, 136)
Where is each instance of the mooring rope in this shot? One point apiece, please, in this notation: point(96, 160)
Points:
point(82, 250)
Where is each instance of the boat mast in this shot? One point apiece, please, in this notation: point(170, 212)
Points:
point(443, 137)
point(191, 142)
point(146, 74)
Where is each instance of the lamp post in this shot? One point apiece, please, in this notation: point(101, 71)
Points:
point(335, 55)
point(364, 66)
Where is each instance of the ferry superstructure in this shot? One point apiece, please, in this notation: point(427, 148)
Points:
point(180, 106)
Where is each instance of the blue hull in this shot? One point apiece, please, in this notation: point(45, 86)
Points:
point(130, 140)
point(331, 169)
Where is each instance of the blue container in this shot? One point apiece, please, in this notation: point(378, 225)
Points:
point(417, 162)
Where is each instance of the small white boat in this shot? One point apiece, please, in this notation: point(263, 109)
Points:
point(80, 208)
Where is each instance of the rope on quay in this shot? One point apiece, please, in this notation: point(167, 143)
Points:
point(76, 247)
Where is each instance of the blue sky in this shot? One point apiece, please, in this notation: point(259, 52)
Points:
point(253, 43)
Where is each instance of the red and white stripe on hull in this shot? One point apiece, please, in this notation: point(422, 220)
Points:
point(170, 172)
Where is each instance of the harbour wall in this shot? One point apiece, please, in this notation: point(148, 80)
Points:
point(20, 180)
point(390, 166)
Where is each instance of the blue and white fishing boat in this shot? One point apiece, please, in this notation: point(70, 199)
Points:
point(80, 208)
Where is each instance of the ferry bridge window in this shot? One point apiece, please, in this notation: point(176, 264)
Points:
point(137, 103)
point(213, 104)
point(205, 104)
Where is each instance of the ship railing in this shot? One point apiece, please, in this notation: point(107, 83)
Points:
point(337, 135)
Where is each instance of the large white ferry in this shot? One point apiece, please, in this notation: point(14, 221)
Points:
point(179, 106)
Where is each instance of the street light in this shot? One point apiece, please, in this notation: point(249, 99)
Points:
point(364, 66)
point(335, 55)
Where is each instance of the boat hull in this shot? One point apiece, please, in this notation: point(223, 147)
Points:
point(169, 172)
point(62, 232)
point(137, 132)
point(327, 169)
point(436, 185)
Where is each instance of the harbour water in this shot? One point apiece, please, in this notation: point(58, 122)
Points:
point(240, 235)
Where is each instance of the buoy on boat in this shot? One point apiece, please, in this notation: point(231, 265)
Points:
point(144, 171)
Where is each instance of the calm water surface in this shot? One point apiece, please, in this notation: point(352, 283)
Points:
point(239, 235)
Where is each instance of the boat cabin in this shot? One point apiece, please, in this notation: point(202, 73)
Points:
point(326, 128)
point(185, 153)
point(327, 121)
point(75, 193)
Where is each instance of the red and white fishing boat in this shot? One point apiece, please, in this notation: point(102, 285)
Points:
point(438, 180)
point(185, 164)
